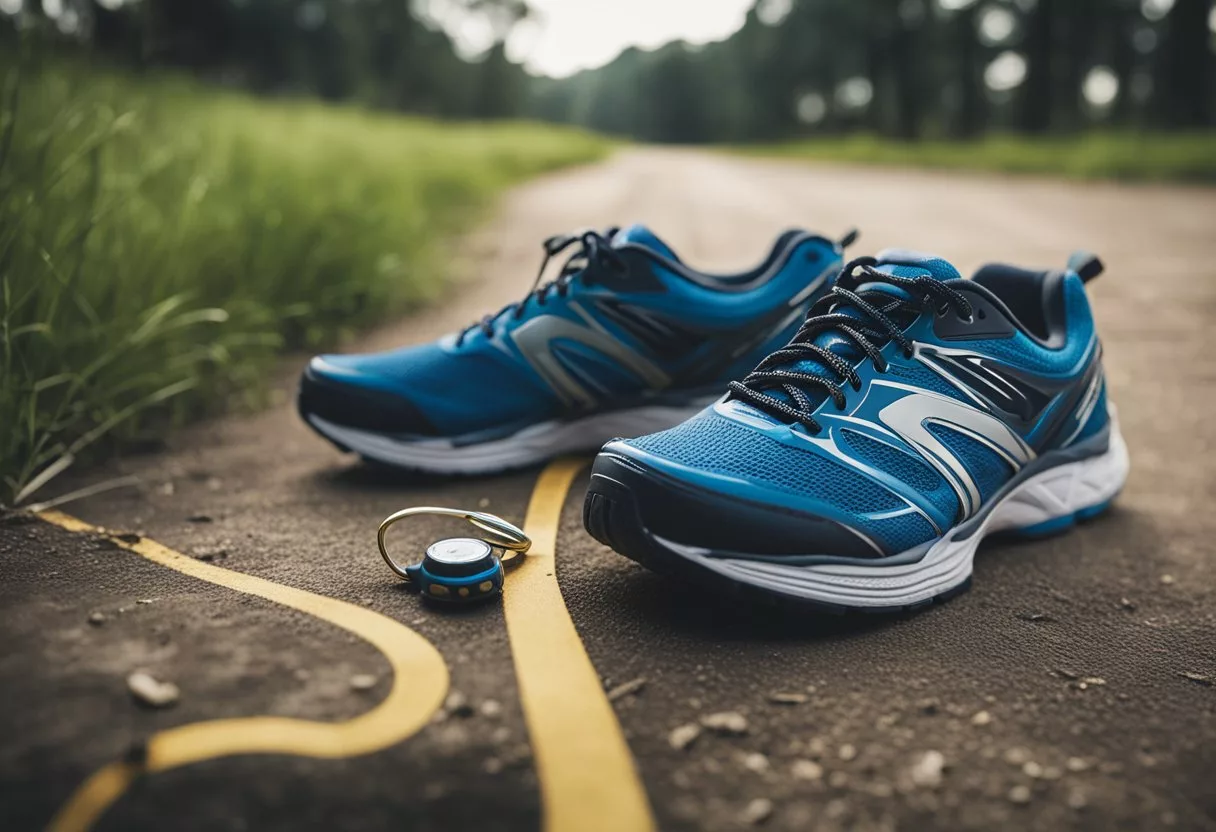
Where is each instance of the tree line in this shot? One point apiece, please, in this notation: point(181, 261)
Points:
point(899, 68)
point(380, 53)
point(907, 69)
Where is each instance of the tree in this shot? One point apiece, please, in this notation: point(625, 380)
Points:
point(1184, 85)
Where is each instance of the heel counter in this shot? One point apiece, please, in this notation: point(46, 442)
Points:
point(1092, 412)
point(1079, 320)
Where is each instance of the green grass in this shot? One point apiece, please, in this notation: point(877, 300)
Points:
point(161, 243)
point(1179, 157)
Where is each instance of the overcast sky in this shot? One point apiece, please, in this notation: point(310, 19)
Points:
point(569, 35)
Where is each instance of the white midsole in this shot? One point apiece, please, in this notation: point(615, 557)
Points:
point(1058, 492)
point(529, 446)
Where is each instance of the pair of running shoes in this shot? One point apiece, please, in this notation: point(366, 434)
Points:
point(830, 435)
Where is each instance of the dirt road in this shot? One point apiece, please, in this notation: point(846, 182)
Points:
point(1074, 687)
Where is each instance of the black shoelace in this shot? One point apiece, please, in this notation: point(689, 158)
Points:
point(871, 329)
point(595, 248)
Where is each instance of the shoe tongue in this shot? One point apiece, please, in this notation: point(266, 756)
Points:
point(902, 263)
point(896, 262)
point(640, 235)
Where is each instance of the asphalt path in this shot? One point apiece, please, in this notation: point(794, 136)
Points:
point(1073, 687)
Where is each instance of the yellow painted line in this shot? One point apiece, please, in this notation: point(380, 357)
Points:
point(420, 682)
point(587, 778)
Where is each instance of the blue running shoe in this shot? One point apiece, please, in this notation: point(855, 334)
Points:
point(859, 466)
point(626, 340)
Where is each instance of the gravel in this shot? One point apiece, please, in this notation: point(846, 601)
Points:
point(151, 692)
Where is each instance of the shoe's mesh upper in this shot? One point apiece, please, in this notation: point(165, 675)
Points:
point(896, 463)
point(901, 533)
point(720, 446)
point(987, 468)
point(924, 378)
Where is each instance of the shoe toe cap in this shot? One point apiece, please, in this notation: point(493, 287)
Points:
point(691, 512)
point(333, 388)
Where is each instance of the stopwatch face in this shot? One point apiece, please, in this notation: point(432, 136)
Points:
point(458, 550)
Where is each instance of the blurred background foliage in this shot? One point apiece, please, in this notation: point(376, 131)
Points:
point(163, 240)
point(910, 69)
point(903, 69)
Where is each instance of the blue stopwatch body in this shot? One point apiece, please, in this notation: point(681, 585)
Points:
point(458, 570)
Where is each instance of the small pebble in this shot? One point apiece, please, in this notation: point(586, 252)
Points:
point(847, 752)
point(684, 736)
point(756, 762)
point(757, 812)
point(151, 692)
point(97, 619)
point(1130, 606)
point(362, 681)
point(1167, 579)
point(1019, 794)
point(1198, 678)
point(457, 704)
point(927, 770)
point(490, 708)
point(209, 553)
point(1088, 682)
point(788, 698)
point(806, 770)
point(631, 687)
point(1077, 799)
point(981, 718)
point(726, 723)
point(1017, 756)
point(1032, 769)
point(1076, 764)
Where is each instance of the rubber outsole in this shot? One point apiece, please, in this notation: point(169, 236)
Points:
point(530, 446)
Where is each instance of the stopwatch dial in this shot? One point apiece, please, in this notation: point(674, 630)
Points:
point(458, 550)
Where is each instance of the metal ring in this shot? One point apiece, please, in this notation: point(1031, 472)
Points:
point(499, 532)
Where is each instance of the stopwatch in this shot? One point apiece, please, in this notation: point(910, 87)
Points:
point(460, 570)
